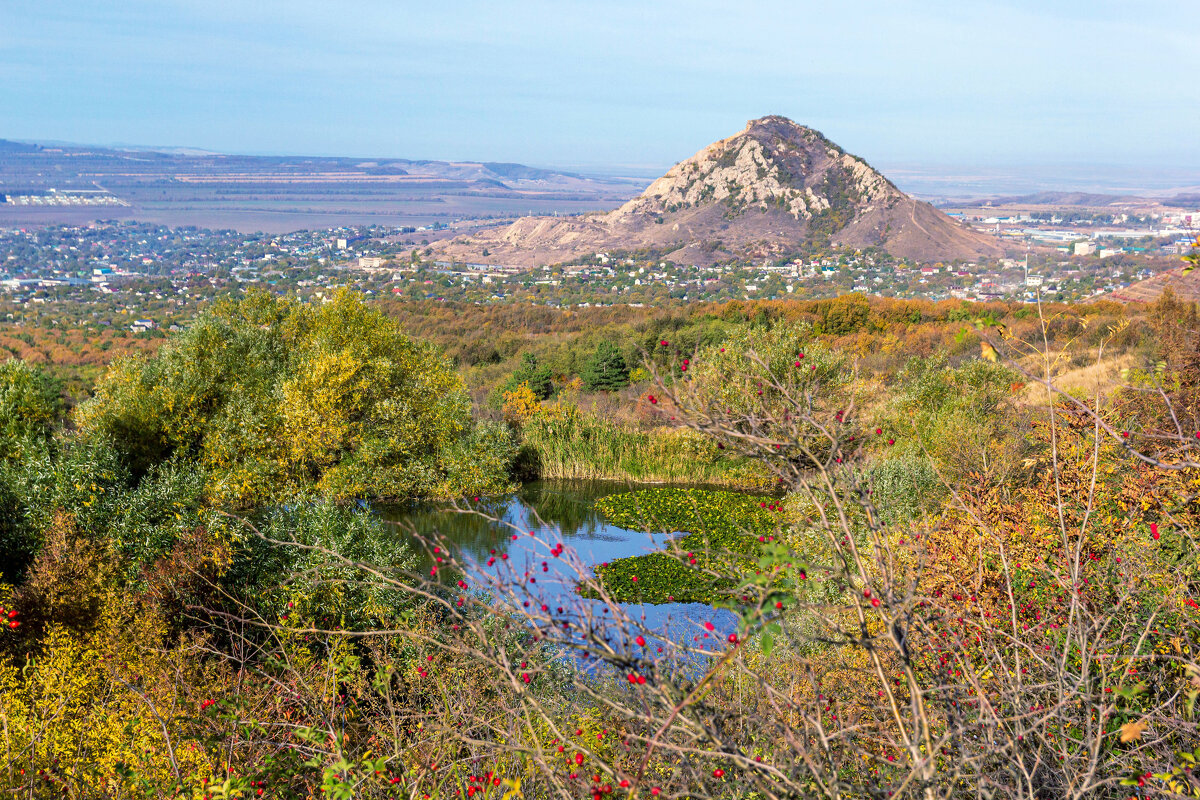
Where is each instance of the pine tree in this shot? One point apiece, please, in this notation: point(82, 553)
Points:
point(536, 374)
point(606, 369)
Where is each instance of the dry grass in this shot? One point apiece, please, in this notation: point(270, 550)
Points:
point(1083, 380)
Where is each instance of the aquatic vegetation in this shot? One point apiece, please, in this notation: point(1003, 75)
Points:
point(719, 528)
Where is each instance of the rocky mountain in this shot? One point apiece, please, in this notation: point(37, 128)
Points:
point(773, 186)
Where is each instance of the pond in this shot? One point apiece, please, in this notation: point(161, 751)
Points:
point(555, 511)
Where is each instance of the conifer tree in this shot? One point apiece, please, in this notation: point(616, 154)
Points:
point(606, 369)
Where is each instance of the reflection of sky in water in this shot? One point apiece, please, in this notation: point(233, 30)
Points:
point(567, 513)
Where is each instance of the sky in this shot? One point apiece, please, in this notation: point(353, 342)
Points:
point(612, 84)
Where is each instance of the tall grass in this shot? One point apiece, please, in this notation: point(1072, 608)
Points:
point(586, 447)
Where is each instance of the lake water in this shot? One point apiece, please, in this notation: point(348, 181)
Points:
point(554, 511)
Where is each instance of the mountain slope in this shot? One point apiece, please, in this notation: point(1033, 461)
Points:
point(772, 186)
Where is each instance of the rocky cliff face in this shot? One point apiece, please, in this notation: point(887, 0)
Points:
point(772, 186)
point(773, 164)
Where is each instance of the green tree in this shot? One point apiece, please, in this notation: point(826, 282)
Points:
point(536, 374)
point(606, 369)
point(270, 397)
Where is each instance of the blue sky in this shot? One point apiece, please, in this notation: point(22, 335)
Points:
point(592, 84)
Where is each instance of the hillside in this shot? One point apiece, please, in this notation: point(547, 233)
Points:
point(770, 188)
point(1185, 287)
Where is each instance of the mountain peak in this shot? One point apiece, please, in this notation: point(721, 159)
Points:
point(775, 123)
point(774, 185)
point(772, 164)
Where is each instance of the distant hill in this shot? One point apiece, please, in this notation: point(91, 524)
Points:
point(7, 146)
point(1185, 287)
point(1183, 201)
point(185, 186)
point(520, 172)
point(774, 185)
point(1085, 199)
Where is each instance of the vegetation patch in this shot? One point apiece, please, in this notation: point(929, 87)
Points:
point(563, 442)
point(721, 529)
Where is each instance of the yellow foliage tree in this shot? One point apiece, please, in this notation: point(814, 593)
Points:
point(521, 405)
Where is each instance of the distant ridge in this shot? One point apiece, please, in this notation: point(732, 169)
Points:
point(489, 174)
point(1065, 199)
point(769, 188)
point(8, 146)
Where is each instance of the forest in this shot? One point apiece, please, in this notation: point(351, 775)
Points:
point(939, 550)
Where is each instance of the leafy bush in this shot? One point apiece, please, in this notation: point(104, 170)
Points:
point(306, 555)
point(903, 488)
point(31, 404)
point(963, 417)
point(85, 477)
point(270, 397)
point(738, 373)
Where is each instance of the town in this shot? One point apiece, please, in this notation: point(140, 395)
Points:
point(146, 277)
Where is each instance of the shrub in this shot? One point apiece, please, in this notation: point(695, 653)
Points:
point(31, 404)
point(270, 397)
point(904, 488)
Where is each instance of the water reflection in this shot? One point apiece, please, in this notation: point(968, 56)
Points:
point(532, 522)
